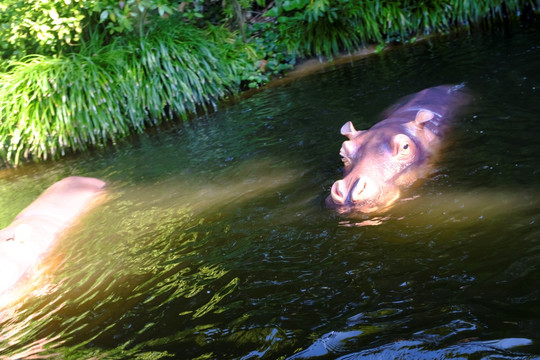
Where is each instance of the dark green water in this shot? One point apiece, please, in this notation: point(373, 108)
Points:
point(215, 242)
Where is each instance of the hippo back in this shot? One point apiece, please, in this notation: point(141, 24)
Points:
point(441, 100)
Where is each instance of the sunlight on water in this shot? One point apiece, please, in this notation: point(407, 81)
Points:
point(142, 246)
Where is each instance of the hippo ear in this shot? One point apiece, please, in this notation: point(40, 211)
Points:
point(423, 116)
point(349, 131)
point(417, 125)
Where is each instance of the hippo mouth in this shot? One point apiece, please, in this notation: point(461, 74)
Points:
point(365, 207)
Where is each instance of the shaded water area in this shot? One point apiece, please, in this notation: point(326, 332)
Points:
point(215, 243)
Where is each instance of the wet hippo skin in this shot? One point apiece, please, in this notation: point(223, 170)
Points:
point(395, 152)
point(33, 231)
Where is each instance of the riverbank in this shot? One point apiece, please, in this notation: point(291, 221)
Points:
point(61, 99)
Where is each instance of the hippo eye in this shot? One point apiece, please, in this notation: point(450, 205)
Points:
point(405, 150)
point(402, 147)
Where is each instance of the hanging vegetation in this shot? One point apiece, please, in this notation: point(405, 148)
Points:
point(53, 105)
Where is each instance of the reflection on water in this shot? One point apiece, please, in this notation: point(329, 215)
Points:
point(215, 242)
point(418, 350)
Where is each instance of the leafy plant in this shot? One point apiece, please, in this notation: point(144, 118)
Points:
point(314, 27)
point(41, 26)
point(273, 56)
point(131, 15)
point(53, 105)
point(324, 27)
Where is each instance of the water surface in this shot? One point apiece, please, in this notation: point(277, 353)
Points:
point(214, 242)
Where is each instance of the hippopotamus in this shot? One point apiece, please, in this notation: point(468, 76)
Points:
point(395, 152)
point(35, 228)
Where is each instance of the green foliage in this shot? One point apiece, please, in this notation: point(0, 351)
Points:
point(50, 27)
point(59, 103)
point(40, 26)
point(53, 105)
point(131, 15)
point(326, 27)
point(314, 27)
point(183, 68)
point(273, 56)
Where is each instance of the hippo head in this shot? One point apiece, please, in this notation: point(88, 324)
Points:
point(381, 160)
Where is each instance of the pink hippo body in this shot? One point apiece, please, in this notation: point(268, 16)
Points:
point(34, 230)
point(394, 152)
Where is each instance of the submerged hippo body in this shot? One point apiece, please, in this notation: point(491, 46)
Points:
point(394, 152)
point(34, 230)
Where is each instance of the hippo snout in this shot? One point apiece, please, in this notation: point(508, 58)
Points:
point(362, 190)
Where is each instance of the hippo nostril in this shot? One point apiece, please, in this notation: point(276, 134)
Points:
point(339, 192)
point(358, 189)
